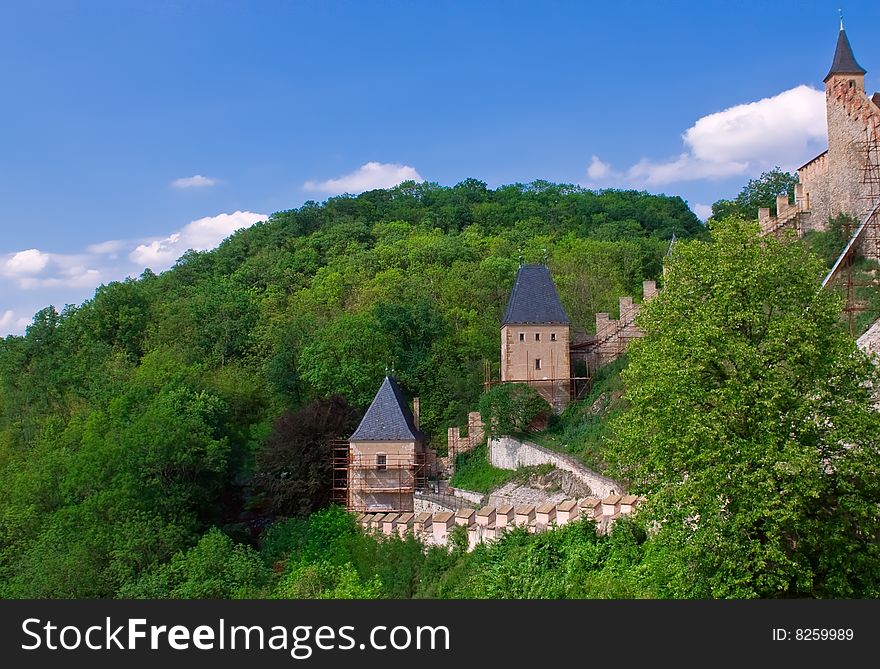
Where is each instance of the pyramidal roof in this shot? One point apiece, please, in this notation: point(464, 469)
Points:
point(389, 417)
point(534, 299)
point(844, 60)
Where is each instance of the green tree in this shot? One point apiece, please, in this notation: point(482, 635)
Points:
point(751, 426)
point(349, 357)
point(511, 407)
point(294, 466)
point(757, 193)
point(215, 568)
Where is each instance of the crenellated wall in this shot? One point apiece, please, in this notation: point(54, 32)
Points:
point(614, 335)
point(510, 453)
point(457, 444)
point(491, 522)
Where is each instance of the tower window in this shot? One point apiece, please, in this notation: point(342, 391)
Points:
point(381, 461)
point(522, 336)
point(851, 83)
point(537, 363)
point(552, 336)
point(537, 336)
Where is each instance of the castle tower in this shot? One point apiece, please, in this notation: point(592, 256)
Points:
point(535, 336)
point(844, 94)
point(833, 182)
point(386, 454)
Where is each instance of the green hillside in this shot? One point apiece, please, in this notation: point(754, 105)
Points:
point(132, 424)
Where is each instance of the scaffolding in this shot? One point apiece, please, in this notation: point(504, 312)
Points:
point(863, 240)
point(571, 387)
point(374, 482)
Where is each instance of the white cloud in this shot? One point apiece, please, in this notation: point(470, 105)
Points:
point(11, 323)
point(110, 248)
point(369, 176)
point(195, 181)
point(785, 130)
point(68, 278)
point(598, 169)
point(24, 263)
point(780, 129)
point(683, 168)
point(703, 211)
point(199, 235)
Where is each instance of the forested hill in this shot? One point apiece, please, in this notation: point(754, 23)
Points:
point(129, 424)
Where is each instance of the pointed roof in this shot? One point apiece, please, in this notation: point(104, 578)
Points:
point(388, 418)
point(844, 60)
point(534, 299)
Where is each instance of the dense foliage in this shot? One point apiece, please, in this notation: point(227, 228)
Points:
point(168, 437)
point(756, 194)
point(293, 472)
point(510, 408)
point(328, 556)
point(130, 425)
point(751, 426)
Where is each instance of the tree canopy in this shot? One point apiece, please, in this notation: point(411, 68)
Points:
point(757, 193)
point(132, 424)
point(751, 427)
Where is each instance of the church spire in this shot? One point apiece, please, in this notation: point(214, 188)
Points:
point(844, 60)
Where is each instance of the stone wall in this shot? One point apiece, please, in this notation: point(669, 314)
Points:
point(811, 194)
point(852, 118)
point(492, 522)
point(510, 453)
point(787, 216)
point(457, 444)
point(432, 503)
point(614, 335)
point(870, 340)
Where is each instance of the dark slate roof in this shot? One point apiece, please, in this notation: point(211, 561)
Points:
point(844, 60)
point(388, 418)
point(534, 299)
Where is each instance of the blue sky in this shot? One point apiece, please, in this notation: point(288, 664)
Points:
point(130, 131)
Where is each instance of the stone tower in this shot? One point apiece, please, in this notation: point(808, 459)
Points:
point(535, 337)
point(386, 454)
point(834, 182)
point(844, 97)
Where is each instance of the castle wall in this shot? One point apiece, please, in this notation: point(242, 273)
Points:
point(852, 117)
point(492, 522)
point(812, 192)
point(510, 453)
point(457, 444)
point(614, 335)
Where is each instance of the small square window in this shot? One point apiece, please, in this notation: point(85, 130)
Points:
point(537, 363)
point(537, 336)
point(552, 336)
point(522, 336)
point(381, 461)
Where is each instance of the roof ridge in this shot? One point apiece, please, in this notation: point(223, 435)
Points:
point(844, 60)
point(388, 417)
point(534, 298)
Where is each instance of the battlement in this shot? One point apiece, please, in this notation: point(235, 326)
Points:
point(857, 104)
point(457, 444)
point(787, 215)
point(491, 522)
point(613, 335)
